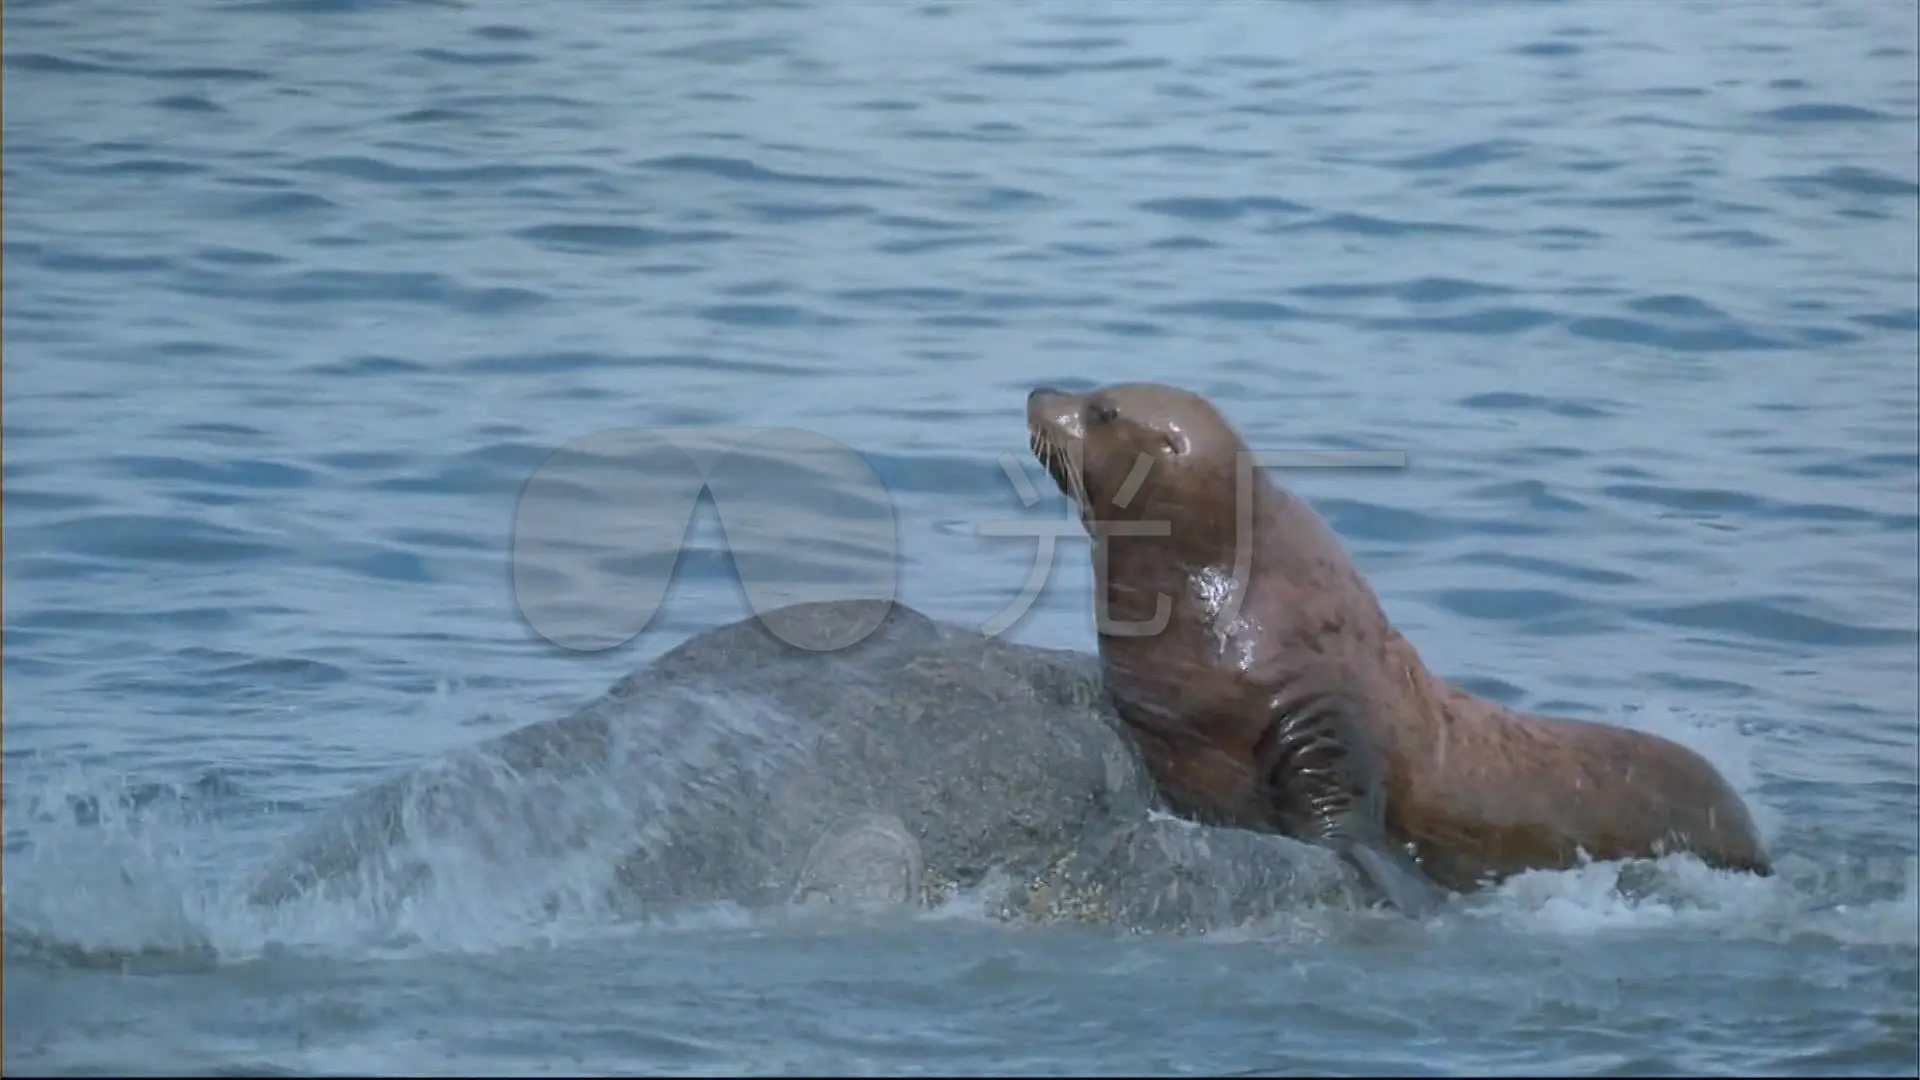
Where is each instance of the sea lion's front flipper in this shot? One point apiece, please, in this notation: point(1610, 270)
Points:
point(1326, 785)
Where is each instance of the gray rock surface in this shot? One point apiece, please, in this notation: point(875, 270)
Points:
point(922, 762)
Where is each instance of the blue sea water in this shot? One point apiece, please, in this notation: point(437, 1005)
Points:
point(299, 293)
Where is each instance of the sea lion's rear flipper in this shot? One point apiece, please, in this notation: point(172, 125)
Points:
point(1397, 878)
point(1326, 785)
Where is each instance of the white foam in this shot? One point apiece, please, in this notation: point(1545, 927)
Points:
point(123, 885)
point(1893, 922)
point(1680, 893)
point(158, 882)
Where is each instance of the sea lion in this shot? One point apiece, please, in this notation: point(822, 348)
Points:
point(1267, 689)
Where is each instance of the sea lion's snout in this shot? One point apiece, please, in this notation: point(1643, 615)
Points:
point(1052, 430)
point(1051, 411)
point(1054, 414)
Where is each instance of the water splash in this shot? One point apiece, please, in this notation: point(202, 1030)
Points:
point(478, 853)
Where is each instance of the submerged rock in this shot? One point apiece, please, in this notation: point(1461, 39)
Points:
point(921, 761)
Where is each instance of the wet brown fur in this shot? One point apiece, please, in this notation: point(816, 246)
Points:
point(1474, 790)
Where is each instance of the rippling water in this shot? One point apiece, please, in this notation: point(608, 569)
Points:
point(299, 293)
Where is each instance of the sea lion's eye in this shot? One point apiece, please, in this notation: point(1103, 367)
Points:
point(1104, 413)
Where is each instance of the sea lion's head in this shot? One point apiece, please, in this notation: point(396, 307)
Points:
point(1137, 452)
